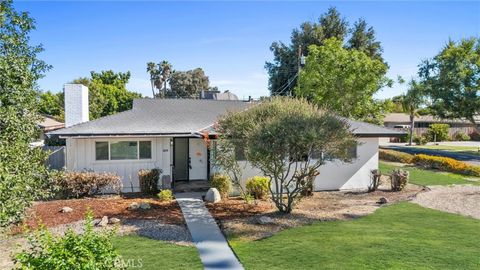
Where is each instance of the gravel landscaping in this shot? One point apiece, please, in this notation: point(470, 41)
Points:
point(463, 200)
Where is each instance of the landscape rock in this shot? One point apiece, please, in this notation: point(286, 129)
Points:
point(133, 206)
point(383, 200)
point(145, 206)
point(263, 220)
point(114, 220)
point(213, 196)
point(103, 222)
point(66, 209)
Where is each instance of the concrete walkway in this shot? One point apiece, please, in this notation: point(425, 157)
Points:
point(214, 250)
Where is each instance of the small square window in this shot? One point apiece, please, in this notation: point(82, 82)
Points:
point(145, 149)
point(101, 150)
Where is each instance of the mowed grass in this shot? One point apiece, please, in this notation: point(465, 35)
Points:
point(470, 150)
point(144, 253)
point(424, 177)
point(401, 236)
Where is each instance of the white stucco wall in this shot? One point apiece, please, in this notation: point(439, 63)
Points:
point(337, 175)
point(81, 156)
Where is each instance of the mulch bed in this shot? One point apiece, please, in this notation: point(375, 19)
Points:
point(236, 207)
point(48, 212)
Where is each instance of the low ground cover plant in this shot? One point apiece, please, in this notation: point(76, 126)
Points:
point(165, 195)
point(81, 184)
point(222, 183)
point(89, 250)
point(148, 180)
point(395, 156)
point(258, 186)
point(446, 164)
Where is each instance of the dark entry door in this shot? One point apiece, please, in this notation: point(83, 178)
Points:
point(181, 163)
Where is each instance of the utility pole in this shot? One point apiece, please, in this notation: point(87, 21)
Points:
point(299, 67)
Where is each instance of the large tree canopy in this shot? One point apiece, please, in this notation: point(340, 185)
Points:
point(288, 139)
point(108, 93)
point(452, 80)
point(342, 80)
point(284, 67)
point(188, 84)
point(23, 176)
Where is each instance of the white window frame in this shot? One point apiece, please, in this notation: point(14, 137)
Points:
point(109, 141)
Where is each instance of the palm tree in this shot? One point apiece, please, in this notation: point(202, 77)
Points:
point(153, 71)
point(411, 103)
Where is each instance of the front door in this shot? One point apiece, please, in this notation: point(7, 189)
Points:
point(180, 157)
point(198, 160)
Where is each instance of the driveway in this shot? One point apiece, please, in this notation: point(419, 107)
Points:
point(471, 159)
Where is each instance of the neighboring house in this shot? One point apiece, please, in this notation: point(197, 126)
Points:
point(47, 124)
point(402, 121)
point(217, 95)
point(167, 134)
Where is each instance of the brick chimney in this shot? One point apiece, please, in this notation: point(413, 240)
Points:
point(76, 104)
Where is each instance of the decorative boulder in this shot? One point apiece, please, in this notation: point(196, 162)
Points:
point(383, 200)
point(66, 209)
point(103, 222)
point(114, 220)
point(133, 206)
point(145, 206)
point(213, 196)
point(265, 220)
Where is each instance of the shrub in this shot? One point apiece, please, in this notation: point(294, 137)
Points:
point(399, 179)
point(81, 184)
point(474, 136)
point(395, 156)
point(460, 136)
point(438, 132)
point(420, 139)
point(258, 186)
point(446, 164)
point(222, 183)
point(148, 181)
point(90, 250)
point(165, 195)
point(374, 180)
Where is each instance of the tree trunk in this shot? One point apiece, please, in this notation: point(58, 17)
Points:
point(412, 125)
point(475, 126)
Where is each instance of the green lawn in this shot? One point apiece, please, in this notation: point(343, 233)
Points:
point(428, 177)
point(471, 150)
point(152, 254)
point(401, 236)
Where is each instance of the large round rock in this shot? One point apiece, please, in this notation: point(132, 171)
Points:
point(213, 195)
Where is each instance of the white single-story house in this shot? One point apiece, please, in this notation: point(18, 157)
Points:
point(167, 134)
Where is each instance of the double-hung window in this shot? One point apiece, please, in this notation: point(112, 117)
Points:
point(123, 150)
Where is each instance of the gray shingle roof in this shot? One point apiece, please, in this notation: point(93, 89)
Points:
point(180, 116)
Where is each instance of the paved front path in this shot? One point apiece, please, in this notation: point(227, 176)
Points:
point(214, 250)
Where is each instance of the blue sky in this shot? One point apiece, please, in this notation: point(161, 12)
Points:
point(229, 40)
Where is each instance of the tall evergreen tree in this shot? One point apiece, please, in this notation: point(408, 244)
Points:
point(23, 176)
point(283, 69)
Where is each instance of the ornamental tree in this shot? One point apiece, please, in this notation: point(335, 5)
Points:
point(288, 140)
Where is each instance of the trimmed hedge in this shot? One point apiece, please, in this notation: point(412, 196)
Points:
point(395, 156)
point(222, 183)
point(446, 164)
